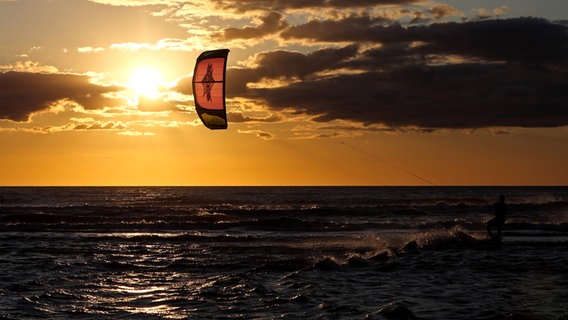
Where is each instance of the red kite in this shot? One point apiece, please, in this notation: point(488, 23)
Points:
point(209, 88)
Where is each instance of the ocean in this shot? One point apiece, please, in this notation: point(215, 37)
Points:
point(281, 253)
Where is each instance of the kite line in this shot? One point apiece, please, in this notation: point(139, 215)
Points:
point(388, 163)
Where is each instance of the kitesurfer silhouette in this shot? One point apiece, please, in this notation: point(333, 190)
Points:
point(499, 212)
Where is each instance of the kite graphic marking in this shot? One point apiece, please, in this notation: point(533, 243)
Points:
point(208, 81)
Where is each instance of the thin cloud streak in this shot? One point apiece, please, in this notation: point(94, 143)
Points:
point(283, 5)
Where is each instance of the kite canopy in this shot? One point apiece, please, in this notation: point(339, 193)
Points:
point(209, 88)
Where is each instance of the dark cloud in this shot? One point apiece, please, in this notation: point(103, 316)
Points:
point(294, 64)
point(280, 5)
point(23, 93)
point(462, 96)
point(487, 73)
point(271, 23)
point(526, 39)
point(349, 29)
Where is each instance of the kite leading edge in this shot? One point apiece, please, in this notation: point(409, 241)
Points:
point(209, 88)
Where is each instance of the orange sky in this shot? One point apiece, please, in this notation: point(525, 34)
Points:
point(409, 93)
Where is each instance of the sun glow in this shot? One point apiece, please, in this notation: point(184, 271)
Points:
point(146, 81)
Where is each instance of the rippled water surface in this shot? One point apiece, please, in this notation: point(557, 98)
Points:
point(293, 253)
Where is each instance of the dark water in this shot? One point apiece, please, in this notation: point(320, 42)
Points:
point(281, 252)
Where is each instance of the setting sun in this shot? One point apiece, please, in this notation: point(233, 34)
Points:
point(146, 81)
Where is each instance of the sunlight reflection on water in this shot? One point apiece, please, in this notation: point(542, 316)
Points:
point(133, 293)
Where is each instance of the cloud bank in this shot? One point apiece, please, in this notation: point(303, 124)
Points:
point(506, 72)
point(23, 93)
point(396, 63)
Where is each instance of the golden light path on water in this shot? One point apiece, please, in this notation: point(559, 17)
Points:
point(136, 294)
